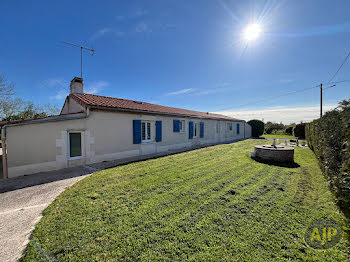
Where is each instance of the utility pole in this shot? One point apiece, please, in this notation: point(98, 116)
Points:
point(81, 55)
point(320, 100)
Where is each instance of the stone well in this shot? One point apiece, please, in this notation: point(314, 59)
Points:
point(274, 153)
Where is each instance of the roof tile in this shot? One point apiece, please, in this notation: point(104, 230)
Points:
point(111, 102)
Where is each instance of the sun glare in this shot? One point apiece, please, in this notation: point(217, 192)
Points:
point(251, 32)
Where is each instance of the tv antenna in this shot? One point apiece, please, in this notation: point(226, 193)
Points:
point(81, 54)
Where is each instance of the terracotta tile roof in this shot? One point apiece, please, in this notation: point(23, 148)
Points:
point(111, 102)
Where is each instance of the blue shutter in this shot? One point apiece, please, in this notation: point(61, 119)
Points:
point(137, 131)
point(230, 126)
point(158, 131)
point(237, 126)
point(190, 130)
point(176, 125)
point(201, 124)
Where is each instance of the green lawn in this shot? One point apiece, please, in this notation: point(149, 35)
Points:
point(211, 204)
point(278, 136)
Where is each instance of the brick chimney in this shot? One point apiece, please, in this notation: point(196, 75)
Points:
point(76, 86)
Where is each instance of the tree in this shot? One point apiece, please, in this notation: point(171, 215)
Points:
point(257, 127)
point(289, 130)
point(6, 88)
point(16, 109)
point(6, 92)
point(344, 105)
point(271, 127)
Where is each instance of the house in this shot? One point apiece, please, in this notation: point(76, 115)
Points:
point(93, 128)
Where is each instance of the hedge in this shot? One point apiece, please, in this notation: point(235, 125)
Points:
point(329, 138)
point(299, 131)
point(289, 130)
point(257, 127)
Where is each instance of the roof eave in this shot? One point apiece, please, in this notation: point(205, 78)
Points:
point(160, 113)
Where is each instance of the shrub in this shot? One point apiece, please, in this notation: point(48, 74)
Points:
point(299, 131)
point(329, 138)
point(271, 127)
point(268, 130)
point(257, 127)
point(289, 130)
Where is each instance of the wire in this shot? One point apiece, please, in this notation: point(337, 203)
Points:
point(346, 58)
point(267, 99)
point(289, 93)
point(342, 81)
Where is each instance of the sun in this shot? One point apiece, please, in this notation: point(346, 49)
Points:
point(251, 32)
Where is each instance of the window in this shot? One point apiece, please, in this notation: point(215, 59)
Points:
point(217, 127)
point(182, 126)
point(229, 126)
point(74, 146)
point(146, 131)
point(196, 130)
point(237, 128)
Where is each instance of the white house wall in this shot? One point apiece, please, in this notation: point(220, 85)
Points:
point(39, 147)
point(105, 136)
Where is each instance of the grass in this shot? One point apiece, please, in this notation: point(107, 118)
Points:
point(210, 204)
point(278, 136)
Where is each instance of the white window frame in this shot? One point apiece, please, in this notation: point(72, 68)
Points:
point(196, 129)
point(182, 126)
point(148, 138)
point(81, 142)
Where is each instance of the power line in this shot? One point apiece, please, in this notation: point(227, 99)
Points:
point(346, 58)
point(337, 82)
point(329, 87)
point(271, 98)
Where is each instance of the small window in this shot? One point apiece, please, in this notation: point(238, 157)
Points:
point(146, 131)
point(75, 144)
point(229, 126)
point(196, 130)
point(182, 125)
point(217, 127)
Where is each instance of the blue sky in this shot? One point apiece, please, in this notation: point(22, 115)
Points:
point(186, 54)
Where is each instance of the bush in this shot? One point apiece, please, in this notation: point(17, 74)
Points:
point(271, 127)
point(268, 130)
point(289, 130)
point(299, 131)
point(257, 127)
point(329, 138)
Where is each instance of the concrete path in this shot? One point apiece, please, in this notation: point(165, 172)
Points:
point(21, 202)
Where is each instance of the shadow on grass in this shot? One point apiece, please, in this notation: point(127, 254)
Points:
point(275, 163)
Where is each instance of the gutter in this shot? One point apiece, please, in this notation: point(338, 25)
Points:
point(38, 121)
point(160, 113)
